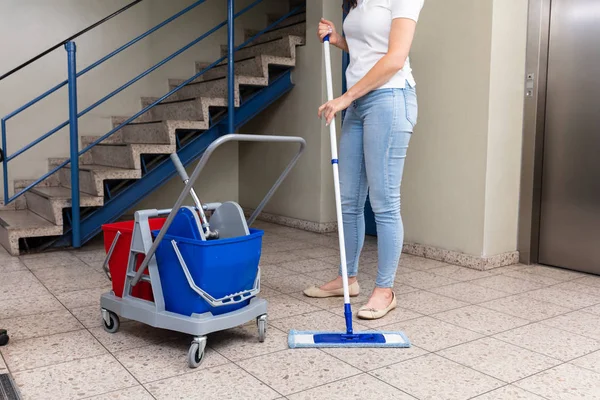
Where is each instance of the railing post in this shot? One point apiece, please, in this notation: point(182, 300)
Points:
point(4, 161)
point(74, 139)
point(230, 68)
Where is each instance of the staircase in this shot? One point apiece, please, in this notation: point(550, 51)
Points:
point(123, 169)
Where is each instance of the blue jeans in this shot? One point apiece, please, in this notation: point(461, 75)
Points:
point(375, 135)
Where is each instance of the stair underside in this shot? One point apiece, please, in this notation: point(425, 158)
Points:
point(122, 158)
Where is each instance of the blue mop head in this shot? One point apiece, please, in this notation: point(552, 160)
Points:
point(297, 339)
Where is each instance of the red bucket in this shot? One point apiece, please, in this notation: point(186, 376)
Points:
point(120, 256)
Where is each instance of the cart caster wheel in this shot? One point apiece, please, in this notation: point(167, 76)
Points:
point(262, 328)
point(196, 353)
point(3, 337)
point(113, 324)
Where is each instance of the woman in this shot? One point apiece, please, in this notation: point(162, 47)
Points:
point(381, 113)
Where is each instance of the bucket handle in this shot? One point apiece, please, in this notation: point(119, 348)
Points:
point(109, 255)
point(223, 301)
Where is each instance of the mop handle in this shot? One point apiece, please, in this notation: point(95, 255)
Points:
point(184, 176)
point(336, 183)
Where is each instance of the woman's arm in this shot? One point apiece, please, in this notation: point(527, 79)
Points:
point(401, 37)
point(328, 28)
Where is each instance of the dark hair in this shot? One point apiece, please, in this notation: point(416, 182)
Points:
point(349, 4)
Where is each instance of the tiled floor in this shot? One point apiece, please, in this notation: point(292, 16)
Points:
point(512, 333)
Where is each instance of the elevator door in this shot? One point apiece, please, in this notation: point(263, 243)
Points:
point(570, 204)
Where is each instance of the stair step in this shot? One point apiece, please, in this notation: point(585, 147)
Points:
point(61, 193)
point(158, 132)
point(202, 104)
point(254, 66)
point(248, 67)
point(218, 88)
point(281, 47)
point(48, 202)
point(180, 110)
point(92, 177)
point(115, 138)
point(127, 156)
point(23, 223)
point(297, 29)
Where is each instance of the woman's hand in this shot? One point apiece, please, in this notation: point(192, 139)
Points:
point(328, 28)
point(331, 108)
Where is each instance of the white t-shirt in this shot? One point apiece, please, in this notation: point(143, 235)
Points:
point(367, 28)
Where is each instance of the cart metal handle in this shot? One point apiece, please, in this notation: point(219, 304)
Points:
point(109, 255)
point(223, 301)
point(185, 178)
point(202, 163)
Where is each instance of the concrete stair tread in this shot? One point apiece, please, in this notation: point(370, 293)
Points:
point(192, 99)
point(63, 193)
point(284, 46)
point(25, 220)
point(144, 123)
point(101, 168)
point(24, 224)
point(270, 59)
point(92, 167)
point(253, 66)
point(89, 139)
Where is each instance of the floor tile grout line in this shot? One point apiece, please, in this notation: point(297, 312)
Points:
point(389, 384)
point(583, 356)
point(258, 379)
point(328, 383)
point(60, 362)
point(490, 337)
point(95, 338)
point(493, 336)
point(537, 373)
point(380, 367)
point(452, 361)
point(195, 371)
point(483, 336)
point(119, 390)
point(507, 385)
point(542, 354)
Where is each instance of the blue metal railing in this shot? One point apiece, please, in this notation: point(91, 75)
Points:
point(74, 115)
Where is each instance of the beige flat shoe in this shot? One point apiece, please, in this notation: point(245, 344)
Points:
point(316, 292)
point(371, 313)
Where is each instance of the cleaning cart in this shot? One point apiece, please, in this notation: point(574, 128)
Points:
point(175, 269)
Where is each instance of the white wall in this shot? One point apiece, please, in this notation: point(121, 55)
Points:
point(307, 194)
point(28, 27)
point(505, 126)
point(460, 190)
point(443, 191)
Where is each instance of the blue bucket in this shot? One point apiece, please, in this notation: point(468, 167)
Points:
point(219, 267)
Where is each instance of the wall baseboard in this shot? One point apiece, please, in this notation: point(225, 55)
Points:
point(309, 226)
point(462, 259)
point(415, 249)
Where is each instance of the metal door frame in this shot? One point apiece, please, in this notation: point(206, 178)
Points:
point(534, 118)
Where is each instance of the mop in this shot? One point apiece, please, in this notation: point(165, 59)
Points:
point(349, 338)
